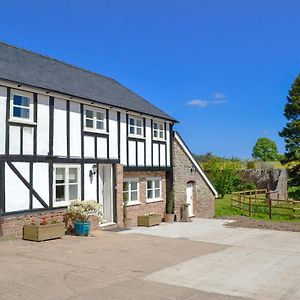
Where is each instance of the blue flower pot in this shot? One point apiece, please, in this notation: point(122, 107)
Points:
point(82, 228)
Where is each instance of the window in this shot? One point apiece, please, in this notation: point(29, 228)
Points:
point(153, 189)
point(158, 130)
point(21, 106)
point(131, 191)
point(95, 119)
point(136, 126)
point(66, 184)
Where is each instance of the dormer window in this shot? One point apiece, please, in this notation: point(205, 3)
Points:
point(135, 126)
point(158, 130)
point(21, 106)
point(95, 119)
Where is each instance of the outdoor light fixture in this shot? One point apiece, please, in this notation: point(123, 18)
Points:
point(193, 169)
point(93, 171)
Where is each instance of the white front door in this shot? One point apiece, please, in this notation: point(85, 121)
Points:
point(189, 199)
point(105, 191)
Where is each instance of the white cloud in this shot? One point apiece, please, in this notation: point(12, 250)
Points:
point(219, 96)
point(198, 102)
point(221, 101)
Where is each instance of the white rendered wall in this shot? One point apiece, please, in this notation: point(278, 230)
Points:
point(41, 183)
point(123, 140)
point(28, 140)
point(113, 134)
point(155, 154)
point(101, 147)
point(141, 157)
point(90, 186)
point(89, 147)
point(168, 144)
point(75, 130)
point(42, 125)
point(148, 143)
point(14, 139)
point(16, 193)
point(162, 155)
point(132, 153)
point(60, 128)
point(3, 95)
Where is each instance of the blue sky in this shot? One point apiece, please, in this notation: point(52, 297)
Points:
point(223, 68)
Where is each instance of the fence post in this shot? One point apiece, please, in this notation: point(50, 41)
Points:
point(240, 204)
point(250, 210)
point(270, 209)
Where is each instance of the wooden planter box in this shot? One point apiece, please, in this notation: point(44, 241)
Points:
point(148, 221)
point(34, 232)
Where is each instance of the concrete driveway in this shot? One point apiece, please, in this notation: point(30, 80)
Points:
point(258, 264)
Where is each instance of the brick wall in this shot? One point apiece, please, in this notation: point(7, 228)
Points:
point(143, 208)
point(203, 197)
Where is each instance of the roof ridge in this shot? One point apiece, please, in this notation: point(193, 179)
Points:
point(56, 60)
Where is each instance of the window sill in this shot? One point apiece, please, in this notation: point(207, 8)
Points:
point(95, 131)
point(154, 200)
point(134, 136)
point(22, 121)
point(134, 203)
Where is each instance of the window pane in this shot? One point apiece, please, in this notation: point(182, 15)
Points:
point(60, 193)
point(131, 130)
point(134, 196)
point(161, 134)
point(60, 176)
point(89, 113)
point(139, 131)
point(100, 116)
point(139, 123)
point(149, 194)
point(21, 112)
point(133, 185)
point(157, 183)
point(155, 133)
point(155, 125)
point(131, 121)
point(73, 192)
point(125, 186)
point(89, 123)
point(149, 184)
point(161, 126)
point(23, 101)
point(72, 175)
point(157, 193)
point(100, 125)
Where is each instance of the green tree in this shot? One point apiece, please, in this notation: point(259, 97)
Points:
point(265, 149)
point(291, 132)
point(223, 175)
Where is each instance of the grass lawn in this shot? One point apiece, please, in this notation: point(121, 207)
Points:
point(224, 209)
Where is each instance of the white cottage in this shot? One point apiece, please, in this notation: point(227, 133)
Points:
point(67, 133)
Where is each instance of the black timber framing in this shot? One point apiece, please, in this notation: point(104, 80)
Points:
point(35, 107)
point(127, 141)
point(31, 183)
point(27, 184)
point(7, 123)
point(82, 150)
point(119, 134)
point(114, 196)
point(21, 139)
point(147, 168)
point(68, 127)
point(51, 124)
point(2, 187)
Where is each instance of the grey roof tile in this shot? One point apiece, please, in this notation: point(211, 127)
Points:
point(33, 69)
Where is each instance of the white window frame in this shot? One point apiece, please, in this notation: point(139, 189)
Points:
point(95, 110)
point(31, 107)
point(129, 181)
point(154, 199)
point(135, 126)
point(159, 130)
point(66, 202)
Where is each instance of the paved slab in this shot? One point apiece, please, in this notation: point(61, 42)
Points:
point(259, 264)
point(105, 266)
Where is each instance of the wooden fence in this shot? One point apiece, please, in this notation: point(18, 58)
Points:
point(260, 202)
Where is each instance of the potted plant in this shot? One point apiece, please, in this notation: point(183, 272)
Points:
point(127, 221)
point(80, 211)
point(169, 215)
point(149, 219)
point(43, 230)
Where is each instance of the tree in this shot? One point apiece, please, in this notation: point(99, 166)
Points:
point(291, 132)
point(265, 149)
point(223, 175)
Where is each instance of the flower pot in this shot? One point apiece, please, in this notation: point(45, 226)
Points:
point(127, 222)
point(169, 218)
point(149, 220)
point(37, 232)
point(82, 228)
